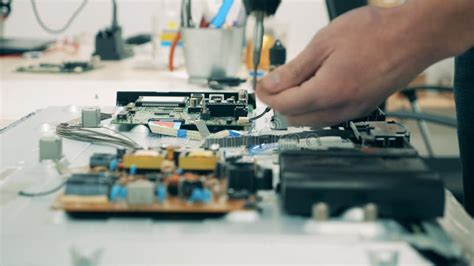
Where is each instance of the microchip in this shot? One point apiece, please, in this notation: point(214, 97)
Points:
point(88, 184)
point(101, 159)
point(159, 101)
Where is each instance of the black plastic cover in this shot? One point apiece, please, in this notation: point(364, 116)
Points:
point(401, 186)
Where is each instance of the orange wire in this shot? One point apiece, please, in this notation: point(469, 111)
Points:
point(176, 40)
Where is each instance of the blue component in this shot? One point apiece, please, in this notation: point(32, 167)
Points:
point(118, 192)
point(123, 193)
point(161, 193)
point(234, 133)
point(263, 149)
point(219, 19)
point(195, 195)
point(133, 169)
point(206, 195)
point(113, 165)
point(200, 195)
point(179, 171)
point(182, 133)
point(115, 192)
point(177, 125)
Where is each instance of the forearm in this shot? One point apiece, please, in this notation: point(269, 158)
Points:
point(446, 26)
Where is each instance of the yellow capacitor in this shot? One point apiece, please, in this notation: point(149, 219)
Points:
point(198, 161)
point(143, 159)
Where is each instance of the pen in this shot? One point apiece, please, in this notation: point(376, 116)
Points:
point(221, 16)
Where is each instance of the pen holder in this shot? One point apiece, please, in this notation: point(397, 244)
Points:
point(212, 53)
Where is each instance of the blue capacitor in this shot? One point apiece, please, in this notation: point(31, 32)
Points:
point(123, 192)
point(113, 165)
point(200, 195)
point(206, 195)
point(118, 192)
point(133, 169)
point(161, 193)
point(115, 192)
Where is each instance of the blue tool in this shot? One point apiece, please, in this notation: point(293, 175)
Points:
point(219, 20)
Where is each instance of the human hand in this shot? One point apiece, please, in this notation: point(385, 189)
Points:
point(351, 66)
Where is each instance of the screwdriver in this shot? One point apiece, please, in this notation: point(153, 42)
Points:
point(257, 44)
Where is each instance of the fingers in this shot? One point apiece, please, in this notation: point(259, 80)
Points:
point(296, 71)
point(322, 91)
point(320, 119)
point(299, 99)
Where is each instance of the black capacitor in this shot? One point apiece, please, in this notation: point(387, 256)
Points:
point(264, 178)
point(121, 153)
point(241, 179)
point(277, 55)
point(101, 159)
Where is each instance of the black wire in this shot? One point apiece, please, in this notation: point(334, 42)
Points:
point(62, 29)
point(42, 193)
point(430, 88)
point(268, 109)
point(432, 118)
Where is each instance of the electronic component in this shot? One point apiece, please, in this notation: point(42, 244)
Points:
point(141, 192)
point(165, 129)
point(66, 67)
point(188, 184)
point(122, 115)
point(50, 148)
point(241, 180)
point(397, 182)
point(369, 134)
point(90, 117)
point(198, 160)
point(143, 160)
point(279, 122)
point(160, 101)
point(381, 134)
point(87, 188)
point(134, 182)
point(216, 98)
point(102, 160)
point(223, 111)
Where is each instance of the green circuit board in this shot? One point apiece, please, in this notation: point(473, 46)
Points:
point(217, 111)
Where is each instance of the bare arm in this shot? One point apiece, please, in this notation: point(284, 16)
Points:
point(364, 56)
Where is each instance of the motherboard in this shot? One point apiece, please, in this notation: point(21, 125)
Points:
point(72, 67)
point(181, 110)
point(157, 181)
